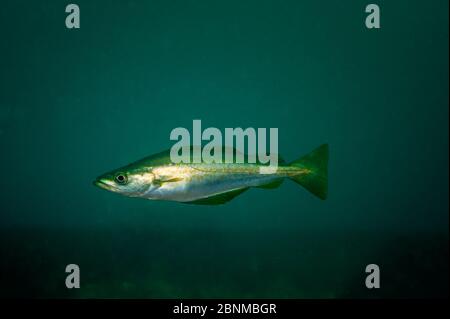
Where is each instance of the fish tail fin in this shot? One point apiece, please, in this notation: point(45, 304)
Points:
point(316, 179)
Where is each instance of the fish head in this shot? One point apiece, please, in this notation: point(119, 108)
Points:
point(132, 183)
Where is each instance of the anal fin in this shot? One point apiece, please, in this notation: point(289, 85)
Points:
point(219, 199)
point(272, 185)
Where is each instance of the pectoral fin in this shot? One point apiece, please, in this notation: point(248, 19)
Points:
point(219, 199)
point(160, 181)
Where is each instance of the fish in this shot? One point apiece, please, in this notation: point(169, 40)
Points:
point(156, 177)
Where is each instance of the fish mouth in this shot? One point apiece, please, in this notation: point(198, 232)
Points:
point(103, 184)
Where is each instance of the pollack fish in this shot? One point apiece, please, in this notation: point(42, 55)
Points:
point(157, 178)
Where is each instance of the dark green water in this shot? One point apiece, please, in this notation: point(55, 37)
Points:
point(77, 103)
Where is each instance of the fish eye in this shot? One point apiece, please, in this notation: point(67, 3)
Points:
point(121, 178)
